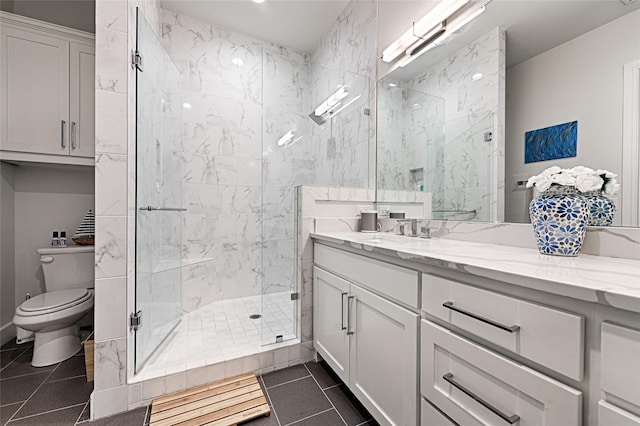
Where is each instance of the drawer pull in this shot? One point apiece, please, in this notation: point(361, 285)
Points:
point(63, 145)
point(349, 332)
point(342, 326)
point(509, 328)
point(509, 419)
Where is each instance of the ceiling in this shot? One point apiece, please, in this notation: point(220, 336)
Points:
point(297, 24)
point(532, 26)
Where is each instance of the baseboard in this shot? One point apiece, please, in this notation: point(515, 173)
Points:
point(7, 332)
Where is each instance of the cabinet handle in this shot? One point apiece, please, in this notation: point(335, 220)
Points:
point(342, 326)
point(62, 143)
point(509, 419)
point(73, 135)
point(509, 328)
point(349, 332)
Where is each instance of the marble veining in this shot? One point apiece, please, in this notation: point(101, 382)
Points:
point(599, 279)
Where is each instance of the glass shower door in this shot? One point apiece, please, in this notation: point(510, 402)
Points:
point(158, 193)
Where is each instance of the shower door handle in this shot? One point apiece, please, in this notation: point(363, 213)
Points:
point(164, 209)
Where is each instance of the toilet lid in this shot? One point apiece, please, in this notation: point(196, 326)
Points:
point(53, 299)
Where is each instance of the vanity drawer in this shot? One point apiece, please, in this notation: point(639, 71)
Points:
point(547, 336)
point(619, 362)
point(394, 281)
point(611, 415)
point(430, 416)
point(475, 386)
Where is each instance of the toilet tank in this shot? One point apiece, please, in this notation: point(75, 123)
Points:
point(66, 268)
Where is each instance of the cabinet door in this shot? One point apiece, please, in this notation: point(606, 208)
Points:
point(329, 321)
point(384, 357)
point(82, 100)
point(475, 386)
point(610, 415)
point(35, 92)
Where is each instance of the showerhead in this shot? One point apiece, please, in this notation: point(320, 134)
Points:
point(318, 119)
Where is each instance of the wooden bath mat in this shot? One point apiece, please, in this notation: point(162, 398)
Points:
point(223, 403)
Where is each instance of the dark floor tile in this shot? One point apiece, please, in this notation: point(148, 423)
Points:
point(297, 400)
point(323, 374)
point(72, 367)
point(20, 388)
point(86, 413)
point(21, 366)
point(285, 375)
point(328, 418)
point(7, 411)
point(65, 417)
point(55, 395)
point(347, 405)
point(9, 355)
point(11, 344)
point(134, 418)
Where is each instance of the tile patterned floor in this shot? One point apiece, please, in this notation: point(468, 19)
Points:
point(302, 395)
point(58, 394)
point(228, 324)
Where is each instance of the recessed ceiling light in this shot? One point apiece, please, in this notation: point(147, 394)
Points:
point(258, 1)
point(238, 62)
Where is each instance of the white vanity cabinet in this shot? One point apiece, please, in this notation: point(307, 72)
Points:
point(620, 375)
point(367, 338)
point(476, 386)
point(47, 92)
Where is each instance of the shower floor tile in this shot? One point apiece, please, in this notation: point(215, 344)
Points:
point(222, 331)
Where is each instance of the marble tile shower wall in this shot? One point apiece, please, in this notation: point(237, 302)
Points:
point(115, 209)
point(345, 149)
point(467, 104)
point(393, 169)
point(240, 101)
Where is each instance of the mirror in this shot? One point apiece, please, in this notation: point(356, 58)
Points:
point(452, 122)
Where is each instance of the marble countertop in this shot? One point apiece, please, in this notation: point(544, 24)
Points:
point(605, 280)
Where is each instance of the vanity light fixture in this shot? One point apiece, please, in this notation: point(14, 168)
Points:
point(258, 1)
point(332, 101)
point(453, 25)
point(476, 76)
point(420, 30)
point(238, 62)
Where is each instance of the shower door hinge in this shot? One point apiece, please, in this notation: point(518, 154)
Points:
point(136, 60)
point(135, 321)
point(367, 111)
point(295, 296)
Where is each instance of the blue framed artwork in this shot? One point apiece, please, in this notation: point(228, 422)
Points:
point(551, 143)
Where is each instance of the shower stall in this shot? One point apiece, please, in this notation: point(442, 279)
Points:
point(223, 137)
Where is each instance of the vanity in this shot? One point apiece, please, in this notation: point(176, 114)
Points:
point(444, 332)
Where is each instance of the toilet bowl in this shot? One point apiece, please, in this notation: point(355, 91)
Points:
point(54, 315)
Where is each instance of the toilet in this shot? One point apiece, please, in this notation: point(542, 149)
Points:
point(54, 315)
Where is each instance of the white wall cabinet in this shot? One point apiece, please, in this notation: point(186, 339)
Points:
point(47, 88)
point(369, 341)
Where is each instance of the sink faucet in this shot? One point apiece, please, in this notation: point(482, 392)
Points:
point(425, 231)
point(414, 227)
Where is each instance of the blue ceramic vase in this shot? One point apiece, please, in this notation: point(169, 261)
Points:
point(601, 209)
point(559, 218)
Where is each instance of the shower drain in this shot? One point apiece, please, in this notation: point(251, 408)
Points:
point(255, 316)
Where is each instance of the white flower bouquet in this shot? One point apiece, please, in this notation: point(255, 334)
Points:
point(582, 178)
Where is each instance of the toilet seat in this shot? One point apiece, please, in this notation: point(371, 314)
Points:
point(53, 301)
